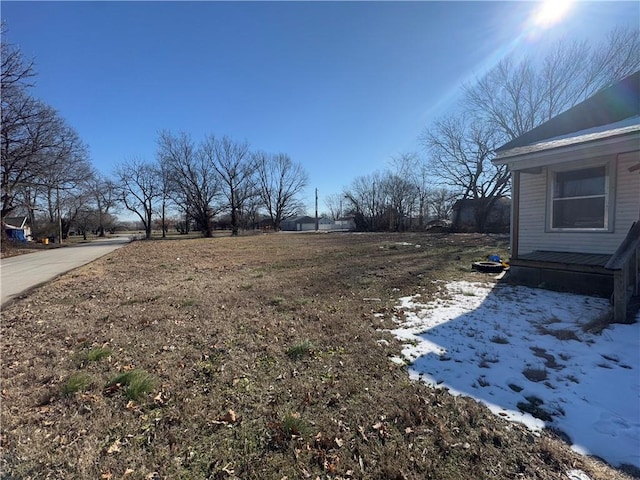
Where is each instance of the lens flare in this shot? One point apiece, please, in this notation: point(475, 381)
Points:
point(551, 12)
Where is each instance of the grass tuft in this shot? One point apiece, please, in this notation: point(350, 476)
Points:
point(97, 354)
point(293, 425)
point(135, 383)
point(78, 382)
point(300, 350)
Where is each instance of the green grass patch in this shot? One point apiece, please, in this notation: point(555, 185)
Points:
point(97, 354)
point(134, 383)
point(300, 350)
point(78, 382)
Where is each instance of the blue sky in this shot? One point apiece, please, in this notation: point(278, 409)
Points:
point(340, 87)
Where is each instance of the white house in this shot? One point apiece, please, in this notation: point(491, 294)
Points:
point(576, 197)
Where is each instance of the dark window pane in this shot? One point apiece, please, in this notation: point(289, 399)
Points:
point(580, 213)
point(580, 183)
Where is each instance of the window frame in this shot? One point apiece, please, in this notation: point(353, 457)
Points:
point(609, 194)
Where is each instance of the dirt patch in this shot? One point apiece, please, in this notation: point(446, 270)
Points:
point(261, 357)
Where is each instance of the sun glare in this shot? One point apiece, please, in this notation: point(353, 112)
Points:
point(551, 12)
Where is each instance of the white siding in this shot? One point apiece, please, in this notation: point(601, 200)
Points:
point(533, 213)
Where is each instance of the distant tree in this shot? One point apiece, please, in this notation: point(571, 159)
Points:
point(461, 154)
point(442, 201)
point(280, 181)
point(85, 221)
point(190, 179)
point(400, 198)
point(139, 188)
point(249, 209)
point(235, 168)
point(416, 171)
point(334, 206)
point(102, 195)
point(366, 201)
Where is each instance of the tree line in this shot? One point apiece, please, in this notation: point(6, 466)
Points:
point(202, 180)
point(454, 159)
point(47, 173)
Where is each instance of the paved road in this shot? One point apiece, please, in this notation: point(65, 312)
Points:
point(23, 272)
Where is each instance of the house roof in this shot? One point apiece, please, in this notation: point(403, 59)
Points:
point(624, 127)
point(17, 222)
point(610, 112)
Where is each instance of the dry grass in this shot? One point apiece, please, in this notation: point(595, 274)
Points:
point(265, 362)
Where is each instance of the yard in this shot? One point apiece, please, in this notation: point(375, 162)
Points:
point(258, 357)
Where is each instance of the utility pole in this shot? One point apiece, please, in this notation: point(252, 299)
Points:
point(317, 227)
point(59, 214)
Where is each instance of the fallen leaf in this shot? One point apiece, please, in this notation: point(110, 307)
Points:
point(229, 417)
point(115, 447)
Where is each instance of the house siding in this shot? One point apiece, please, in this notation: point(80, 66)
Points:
point(533, 234)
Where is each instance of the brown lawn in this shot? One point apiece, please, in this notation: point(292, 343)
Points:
point(258, 357)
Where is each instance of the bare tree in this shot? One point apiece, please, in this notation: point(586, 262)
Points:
point(442, 201)
point(139, 189)
point(415, 170)
point(513, 98)
point(366, 201)
point(29, 131)
point(15, 73)
point(43, 158)
point(516, 96)
point(461, 156)
point(17, 109)
point(235, 168)
point(400, 198)
point(102, 197)
point(191, 178)
point(334, 206)
point(280, 181)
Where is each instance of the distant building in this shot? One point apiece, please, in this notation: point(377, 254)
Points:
point(491, 215)
point(306, 223)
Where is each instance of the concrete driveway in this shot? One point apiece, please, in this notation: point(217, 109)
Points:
point(19, 274)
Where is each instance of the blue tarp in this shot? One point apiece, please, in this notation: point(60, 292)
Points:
point(16, 234)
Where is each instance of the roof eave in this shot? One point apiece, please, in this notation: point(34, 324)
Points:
point(559, 154)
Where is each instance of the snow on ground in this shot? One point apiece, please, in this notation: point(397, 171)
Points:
point(518, 349)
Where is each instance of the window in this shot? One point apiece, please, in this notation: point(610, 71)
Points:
point(579, 199)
